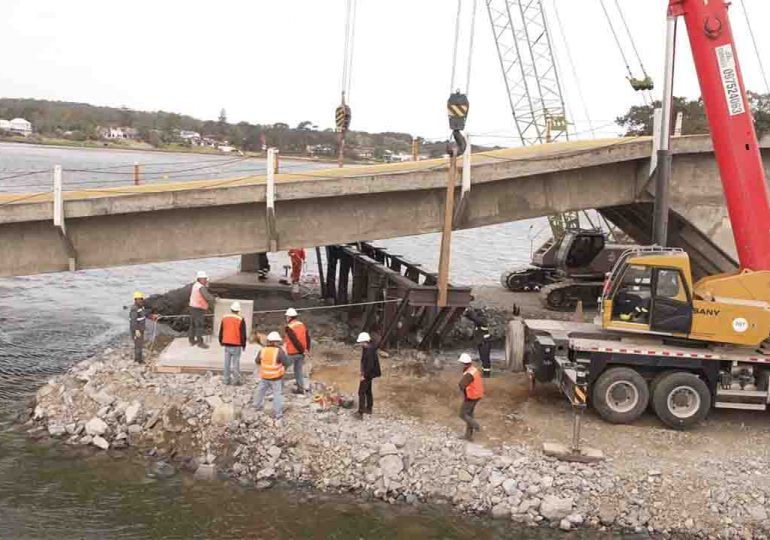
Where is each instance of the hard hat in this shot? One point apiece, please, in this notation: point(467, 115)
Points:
point(363, 337)
point(274, 336)
point(465, 358)
point(291, 312)
point(138, 295)
point(235, 306)
point(201, 275)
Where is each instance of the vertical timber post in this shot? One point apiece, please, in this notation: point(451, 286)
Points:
point(446, 235)
point(321, 280)
point(415, 149)
point(58, 218)
point(136, 173)
point(272, 233)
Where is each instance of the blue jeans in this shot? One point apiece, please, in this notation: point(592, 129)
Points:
point(297, 361)
point(232, 364)
point(276, 385)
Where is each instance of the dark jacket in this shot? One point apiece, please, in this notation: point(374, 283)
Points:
point(138, 317)
point(370, 363)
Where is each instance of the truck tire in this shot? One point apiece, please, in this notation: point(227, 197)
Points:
point(514, 345)
point(620, 395)
point(681, 399)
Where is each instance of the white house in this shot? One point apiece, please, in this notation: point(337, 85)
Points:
point(192, 136)
point(5, 125)
point(21, 126)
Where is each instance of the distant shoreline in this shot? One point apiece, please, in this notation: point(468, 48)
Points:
point(106, 145)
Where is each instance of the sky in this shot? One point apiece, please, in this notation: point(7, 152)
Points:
point(268, 61)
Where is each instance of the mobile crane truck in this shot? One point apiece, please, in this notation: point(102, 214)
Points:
point(661, 338)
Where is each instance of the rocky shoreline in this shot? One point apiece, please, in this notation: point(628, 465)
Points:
point(213, 431)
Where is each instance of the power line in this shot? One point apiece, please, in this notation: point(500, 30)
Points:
point(454, 49)
point(756, 48)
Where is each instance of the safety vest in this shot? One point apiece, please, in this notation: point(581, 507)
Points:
point(301, 332)
point(196, 297)
point(269, 368)
point(475, 390)
point(231, 329)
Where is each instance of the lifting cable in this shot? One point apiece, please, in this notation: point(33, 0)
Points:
point(636, 84)
point(342, 114)
point(457, 104)
point(756, 48)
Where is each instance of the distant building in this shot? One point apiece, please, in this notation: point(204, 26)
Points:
point(320, 150)
point(20, 127)
point(364, 152)
point(117, 133)
point(193, 137)
point(5, 125)
point(391, 157)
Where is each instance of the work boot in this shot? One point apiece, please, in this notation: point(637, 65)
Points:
point(468, 434)
point(368, 411)
point(358, 415)
point(297, 390)
point(202, 345)
point(192, 341)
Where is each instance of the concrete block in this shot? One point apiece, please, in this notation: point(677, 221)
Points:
point(222, 307)
point(564, 452)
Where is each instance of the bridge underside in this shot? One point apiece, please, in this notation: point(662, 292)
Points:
point(152, 225)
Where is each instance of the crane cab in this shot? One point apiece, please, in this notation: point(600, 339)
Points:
point(651, 291)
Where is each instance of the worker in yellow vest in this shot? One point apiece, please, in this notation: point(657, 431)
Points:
point(271, 361)
point(473, 390)
point(232, 337)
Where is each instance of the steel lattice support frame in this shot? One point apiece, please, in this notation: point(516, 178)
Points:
point(529, 69)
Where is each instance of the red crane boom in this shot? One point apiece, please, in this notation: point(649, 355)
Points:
point(732, 128)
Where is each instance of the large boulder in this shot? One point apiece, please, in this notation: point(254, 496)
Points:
point(96, 426)
point(555, 508)
point(391, 465)
point(173, 419)
point(132, 412)
point(223, 415)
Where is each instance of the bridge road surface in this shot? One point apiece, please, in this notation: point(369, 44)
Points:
point(207, 218)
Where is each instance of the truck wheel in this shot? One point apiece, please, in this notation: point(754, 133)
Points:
point(681, 399)
point(620, 395)
point(514, 345)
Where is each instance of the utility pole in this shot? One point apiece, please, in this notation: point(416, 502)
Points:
point(415, 149)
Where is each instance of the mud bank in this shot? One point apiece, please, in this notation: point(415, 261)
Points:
point(111, 404)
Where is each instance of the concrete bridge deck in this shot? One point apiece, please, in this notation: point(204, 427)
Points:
point(140, 224)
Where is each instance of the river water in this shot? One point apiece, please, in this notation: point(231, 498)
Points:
point(48, 322)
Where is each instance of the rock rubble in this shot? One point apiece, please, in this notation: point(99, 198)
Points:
point(214, 431)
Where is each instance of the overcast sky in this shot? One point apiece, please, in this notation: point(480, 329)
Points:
point(269, 61)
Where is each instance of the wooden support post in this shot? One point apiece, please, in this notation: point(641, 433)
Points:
point(332, 256)
point(136, 173)
point(272, 232)
point(459, 214)
point(321, 280)
point(342, 289)
point(341, 149)
point(429, 337)
point(391, 324)
point(415, 149)
point(446, 236)
point(58, 218)
point(277, 162)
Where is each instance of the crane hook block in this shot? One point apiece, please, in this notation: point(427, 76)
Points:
point(342, 116)
point(457, 106)
point(641, 84)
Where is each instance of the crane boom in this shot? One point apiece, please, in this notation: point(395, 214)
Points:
point(732, 128)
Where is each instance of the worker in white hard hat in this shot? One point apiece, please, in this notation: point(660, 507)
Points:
point(271, 360)
point(473, 390)
point(232, 337)
point(296, 342)
point(370, 370)
point(137, 318)
point(200, 301)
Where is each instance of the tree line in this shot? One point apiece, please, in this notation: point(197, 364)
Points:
point(81, 122)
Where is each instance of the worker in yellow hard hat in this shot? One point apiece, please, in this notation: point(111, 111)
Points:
point(137, 319)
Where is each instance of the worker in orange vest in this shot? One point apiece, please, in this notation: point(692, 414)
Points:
point(200, 300)
point(297, 256)
point(232, 337)
point(271, 361)
point(297, 345)
point(473, 390)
